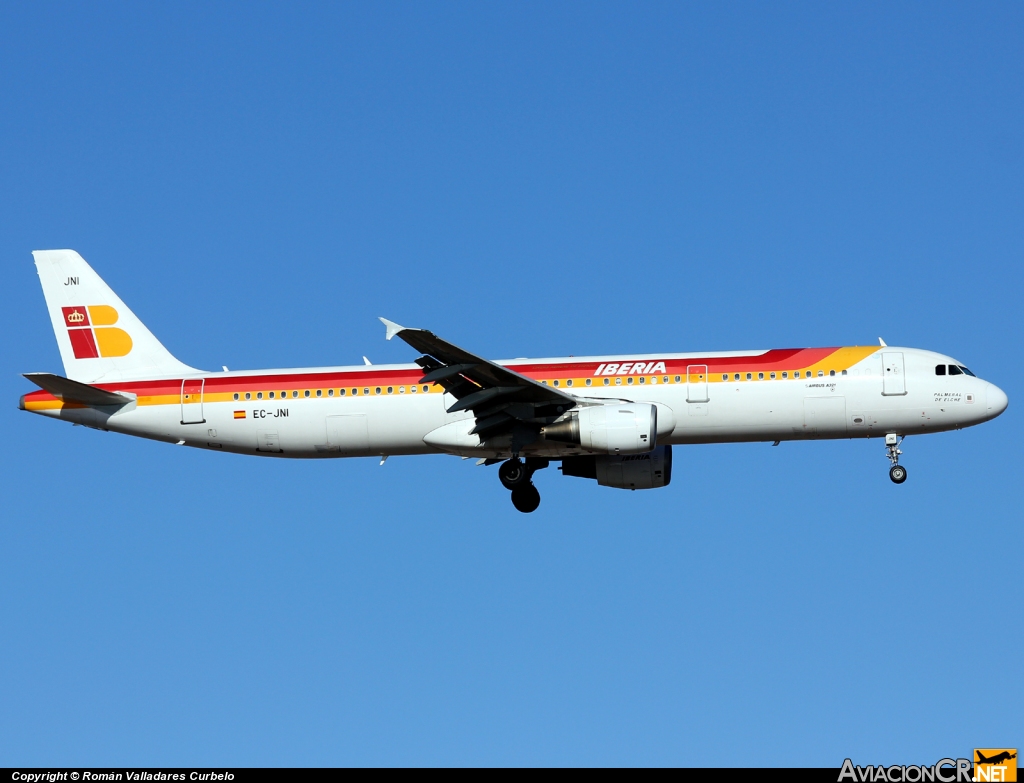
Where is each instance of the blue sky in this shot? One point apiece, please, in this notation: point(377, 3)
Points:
point(259, 183)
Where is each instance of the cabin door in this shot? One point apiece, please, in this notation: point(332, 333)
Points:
point(192, 401)
point(894, 382)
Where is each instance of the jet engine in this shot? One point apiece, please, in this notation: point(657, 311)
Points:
point(632, 471)
point(622, 428)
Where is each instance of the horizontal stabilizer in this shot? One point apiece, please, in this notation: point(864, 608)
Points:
point(73, 391)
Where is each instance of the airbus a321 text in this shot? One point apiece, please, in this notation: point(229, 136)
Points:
point(613, 419)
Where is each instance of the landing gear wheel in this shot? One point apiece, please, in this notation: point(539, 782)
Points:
point(526, 498)
point(513, 473)
point(897, 472)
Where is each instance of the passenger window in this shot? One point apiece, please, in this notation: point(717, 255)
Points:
point(831, 373)
point(677, 379)
point(618, 381)
point(341, 392)
point(259, 395)
point(236, 395)
point(606, 381)
point(556, 383)
point(749, 376)
point(366, 391)
point(654, 379)
point(295, 393)
point(773, 376)
point(391, 389)
point(330, 392)
point(821, 373)
point(954, 370)
point(377, 390)
point(589, 381)
point(940, 369)
point(844, 372)
point(305, 393)
point(760, 376)
point(785, 374)
point(426, 389)
point(414, 389)
point(725, 376)
point(629, 381)
point(401, 390)
point(319, 392)
point(569, 382)
point(736, 377)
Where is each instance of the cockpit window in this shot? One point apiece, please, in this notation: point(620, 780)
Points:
point(966, 371)
point(954, 370)
point(940, 369)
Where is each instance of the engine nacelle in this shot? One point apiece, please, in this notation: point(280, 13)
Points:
point(635, 471)
point(620, 428)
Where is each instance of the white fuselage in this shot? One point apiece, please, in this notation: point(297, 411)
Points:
point(385, 417)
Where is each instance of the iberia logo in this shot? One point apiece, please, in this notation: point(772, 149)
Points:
point(995, 764)
point(93, 334)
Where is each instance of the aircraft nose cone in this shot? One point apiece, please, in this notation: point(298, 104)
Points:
point(997, 400)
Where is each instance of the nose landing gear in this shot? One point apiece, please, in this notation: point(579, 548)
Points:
point(897, 473)
point(516, 475)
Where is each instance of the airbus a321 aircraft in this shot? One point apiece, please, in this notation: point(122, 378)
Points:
point(613, 419)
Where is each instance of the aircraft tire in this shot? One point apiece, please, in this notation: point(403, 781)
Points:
point(526, 498)
point(513, 473)
point(898, 474)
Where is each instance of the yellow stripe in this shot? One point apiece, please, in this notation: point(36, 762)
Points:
point(844, 358)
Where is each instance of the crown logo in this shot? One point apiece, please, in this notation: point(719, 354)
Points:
point(76, 317)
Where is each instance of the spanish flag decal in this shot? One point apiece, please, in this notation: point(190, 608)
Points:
point(239, 414)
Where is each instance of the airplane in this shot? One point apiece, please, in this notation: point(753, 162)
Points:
point(996, 759)
point(612, 419)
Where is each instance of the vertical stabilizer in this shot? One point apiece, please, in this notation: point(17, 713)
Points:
point(100, 339)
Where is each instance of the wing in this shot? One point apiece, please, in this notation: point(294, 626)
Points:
point(502, 400)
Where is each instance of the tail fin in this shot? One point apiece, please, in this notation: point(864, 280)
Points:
point(100, 339)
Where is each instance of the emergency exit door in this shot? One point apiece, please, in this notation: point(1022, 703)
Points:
point(697, 383)
point(192, 401)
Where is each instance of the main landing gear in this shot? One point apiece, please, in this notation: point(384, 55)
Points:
point(516, 475)
point(897, 472)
